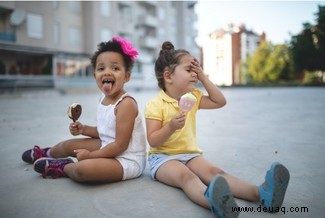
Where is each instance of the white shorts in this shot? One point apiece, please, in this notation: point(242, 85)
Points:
point(156, 160)
point(133, 166)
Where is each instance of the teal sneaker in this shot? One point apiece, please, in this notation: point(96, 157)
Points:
point(220, 198)
point(273, 190)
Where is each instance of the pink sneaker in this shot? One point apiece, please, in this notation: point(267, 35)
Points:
point(31, 155)
point(52, 166)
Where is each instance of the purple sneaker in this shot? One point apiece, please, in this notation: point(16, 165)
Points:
point(31, 155)
point(52, 166)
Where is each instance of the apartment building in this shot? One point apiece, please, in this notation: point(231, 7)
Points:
point(225, 51)
point(48, 43)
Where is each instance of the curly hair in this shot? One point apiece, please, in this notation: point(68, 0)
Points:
point(167, 61)
point(113, 46)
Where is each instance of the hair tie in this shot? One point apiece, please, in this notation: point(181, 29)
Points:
point(127, 48)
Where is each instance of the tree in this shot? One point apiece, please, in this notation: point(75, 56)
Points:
point(308, 47)
point(269, 63)
point(304, 51)
point(320, 34)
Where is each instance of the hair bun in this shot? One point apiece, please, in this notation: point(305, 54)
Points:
point(166, 46)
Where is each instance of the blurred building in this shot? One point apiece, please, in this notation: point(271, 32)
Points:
point(48, 43)
point(225, 51)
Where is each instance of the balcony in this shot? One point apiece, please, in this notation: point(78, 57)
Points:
point(126, 27)
point(6, 36)
point(149, 42)
point(148, 20)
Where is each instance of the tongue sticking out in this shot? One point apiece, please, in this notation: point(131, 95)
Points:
point(108, 86)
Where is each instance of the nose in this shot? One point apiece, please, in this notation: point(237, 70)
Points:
point(107, 71)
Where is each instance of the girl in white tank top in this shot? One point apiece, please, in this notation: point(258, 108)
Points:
point(115, 149)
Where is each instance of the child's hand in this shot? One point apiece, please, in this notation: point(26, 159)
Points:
point(82, 154)
point(177, 122)
point(76, 128)
point(196, 67)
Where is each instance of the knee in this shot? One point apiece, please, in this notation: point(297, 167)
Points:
point(60, 147)
point(64, 148)
point(78, 173)
point(215, 171)
point(187, 177)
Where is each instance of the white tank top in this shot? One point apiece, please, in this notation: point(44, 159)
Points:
point(106, 127)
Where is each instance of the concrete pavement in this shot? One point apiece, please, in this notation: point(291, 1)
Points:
point(255, 128)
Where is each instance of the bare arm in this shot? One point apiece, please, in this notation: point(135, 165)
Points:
point(90, 131)
point(215, 98)
point(126, 113)
point(158, 134)
point(78, 128)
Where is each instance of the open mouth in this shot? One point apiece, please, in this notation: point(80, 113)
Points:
point(108, 81)
point(108, 84)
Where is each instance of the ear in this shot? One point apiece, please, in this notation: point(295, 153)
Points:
point(127, 76)
point(167, 76)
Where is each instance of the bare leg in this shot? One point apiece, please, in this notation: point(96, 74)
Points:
point(239, 188)
point(97, 170)
point(66, 148)
point(176, 174)
point(242, 189)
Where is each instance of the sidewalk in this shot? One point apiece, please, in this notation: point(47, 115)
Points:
point(257, 127)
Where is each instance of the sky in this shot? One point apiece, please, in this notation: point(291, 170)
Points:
point(276, 18)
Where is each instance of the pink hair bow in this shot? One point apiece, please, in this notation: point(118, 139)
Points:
point(127, 47)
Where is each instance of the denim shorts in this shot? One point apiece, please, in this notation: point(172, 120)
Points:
point(156, 160)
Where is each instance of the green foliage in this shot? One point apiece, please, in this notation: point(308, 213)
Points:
point(313, 78)
point(269, 64)
point(320, 33)
point(303, 59)
point(308, 47)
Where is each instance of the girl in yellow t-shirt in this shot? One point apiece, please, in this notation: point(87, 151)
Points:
point(174, 156)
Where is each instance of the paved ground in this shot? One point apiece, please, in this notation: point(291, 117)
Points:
point(257, 126)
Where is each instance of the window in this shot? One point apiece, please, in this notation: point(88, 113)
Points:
point(35, 26)
point(125, 12)
point(105, 8)
point(74, 35)
point(105, 35)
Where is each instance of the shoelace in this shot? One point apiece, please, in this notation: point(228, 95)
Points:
point(37, 152)
point(53, 171)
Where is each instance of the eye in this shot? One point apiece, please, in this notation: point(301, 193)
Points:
point(115, 68)
point(100, 69)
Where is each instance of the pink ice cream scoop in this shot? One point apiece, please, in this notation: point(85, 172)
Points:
point(187, 102)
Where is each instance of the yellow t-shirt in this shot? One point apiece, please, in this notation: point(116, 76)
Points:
point(163, 108)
